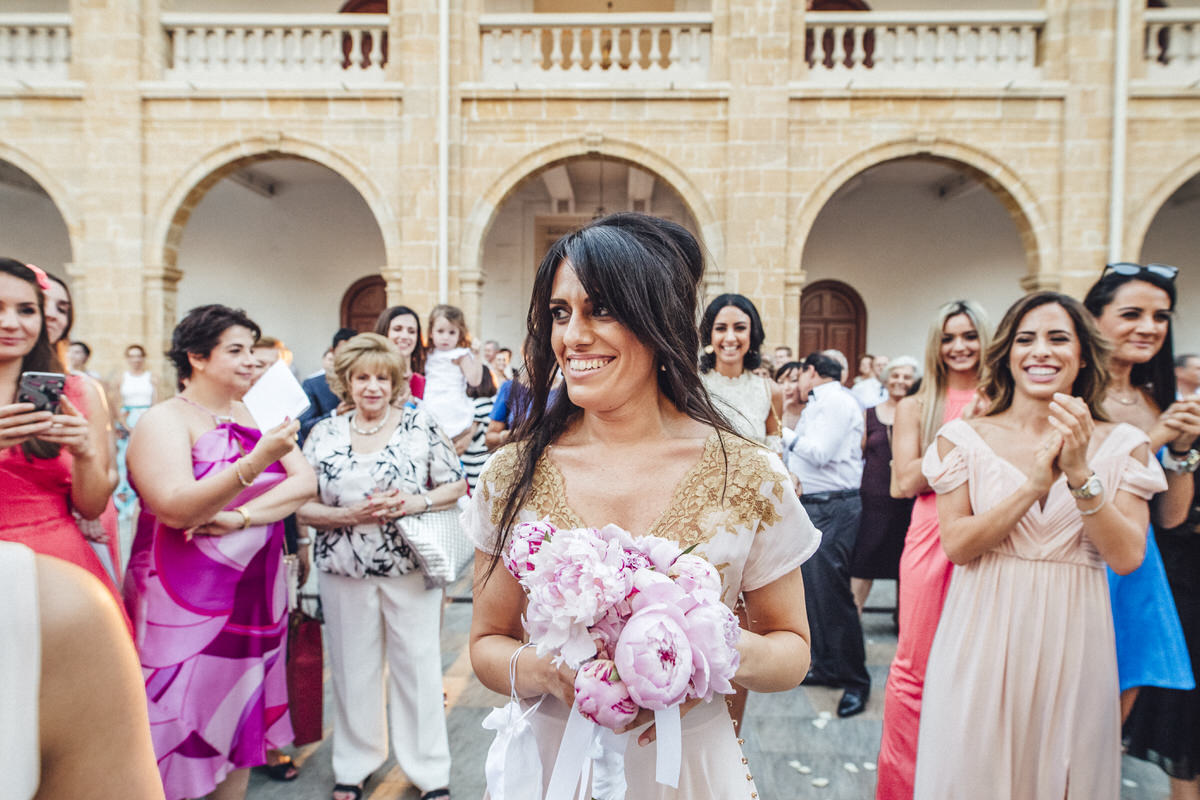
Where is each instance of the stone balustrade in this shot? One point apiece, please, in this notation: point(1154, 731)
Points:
point(277, 48)
point(642, 49)
point(35, 47)
point(1172, 45)
point(923, 48)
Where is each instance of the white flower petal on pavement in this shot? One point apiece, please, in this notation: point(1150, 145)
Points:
point(869, 766)
point(820, 783)
point(849, 767)
point(820, 723)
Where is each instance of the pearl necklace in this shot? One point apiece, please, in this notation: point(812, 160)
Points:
point(371, 431)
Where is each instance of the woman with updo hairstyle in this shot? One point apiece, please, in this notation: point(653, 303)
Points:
point(382, 462)
point(1035, 497)
point(732, 336)
point(205, 584)
point(402, 327)
point(633, 439)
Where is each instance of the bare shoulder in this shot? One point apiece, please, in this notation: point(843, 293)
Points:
point(77, 611)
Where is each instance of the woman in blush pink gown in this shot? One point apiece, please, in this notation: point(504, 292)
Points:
point(952, 358)
point(205, 584)
point(1035, 496)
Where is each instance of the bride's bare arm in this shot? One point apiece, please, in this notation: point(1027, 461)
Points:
point(496, 632)
point(775, 651)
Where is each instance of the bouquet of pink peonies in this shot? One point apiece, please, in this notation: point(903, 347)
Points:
point(639, 618)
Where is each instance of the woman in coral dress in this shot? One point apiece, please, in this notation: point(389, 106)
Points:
point(1034, 498)
point(952, 357)
point(634, 441)
point(205, 584)
point(51, 464)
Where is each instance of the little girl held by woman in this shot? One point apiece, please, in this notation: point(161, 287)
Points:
point(450, 367)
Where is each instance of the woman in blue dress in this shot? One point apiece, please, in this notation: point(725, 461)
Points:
point(1133, 306)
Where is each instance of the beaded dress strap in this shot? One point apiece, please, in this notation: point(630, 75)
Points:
point(217, 418)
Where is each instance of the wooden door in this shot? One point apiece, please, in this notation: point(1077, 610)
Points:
point(832, 317)
point(363, 302)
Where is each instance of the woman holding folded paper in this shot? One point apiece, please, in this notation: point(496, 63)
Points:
point(378, 468)
point(636, 442)
point(205, 583)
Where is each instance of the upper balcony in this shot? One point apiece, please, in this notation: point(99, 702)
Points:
point(35, 48)
point(1171, 47)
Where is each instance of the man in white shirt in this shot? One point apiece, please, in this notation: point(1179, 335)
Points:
point(1187, 375)
point(870, 391)
point(826, 458)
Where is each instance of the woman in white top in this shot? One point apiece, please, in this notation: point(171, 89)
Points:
point(732, 333)
point(136, 393)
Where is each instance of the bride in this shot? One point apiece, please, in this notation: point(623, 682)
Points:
point(635, 441)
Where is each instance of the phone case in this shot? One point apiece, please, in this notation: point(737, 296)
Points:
point(43, 389)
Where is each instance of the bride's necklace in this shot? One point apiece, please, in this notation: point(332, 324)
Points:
point(369, 431)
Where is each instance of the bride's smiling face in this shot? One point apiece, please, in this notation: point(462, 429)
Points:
point(604, 364)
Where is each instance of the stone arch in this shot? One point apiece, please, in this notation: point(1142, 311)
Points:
point(1013, 193)
point(1173, 179)
point(63, 200)
point(190, 188)
point(479, 221)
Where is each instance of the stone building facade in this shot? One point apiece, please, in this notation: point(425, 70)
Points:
point(749, 120)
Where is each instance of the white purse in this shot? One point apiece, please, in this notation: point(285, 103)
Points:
point(439, 545)
point(513, 764)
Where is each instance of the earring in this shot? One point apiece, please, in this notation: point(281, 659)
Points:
point(708, 348)
point(662, 367)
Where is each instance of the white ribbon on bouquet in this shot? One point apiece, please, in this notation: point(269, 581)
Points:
point(573, 763)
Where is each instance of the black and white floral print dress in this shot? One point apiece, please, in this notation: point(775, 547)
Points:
point(417, 458)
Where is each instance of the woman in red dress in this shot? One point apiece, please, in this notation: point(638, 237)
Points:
point(50, 463)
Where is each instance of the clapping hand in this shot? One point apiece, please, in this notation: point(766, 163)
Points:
point(1070, 417)
point(1179, 425)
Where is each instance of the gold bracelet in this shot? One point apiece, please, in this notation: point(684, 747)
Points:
point(237, 469)
point(245, 516)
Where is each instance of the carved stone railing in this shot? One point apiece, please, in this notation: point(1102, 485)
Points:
point(923, 48)
point(643, 49)
point(1171, 49)
point(293, 49)
point(35, 47)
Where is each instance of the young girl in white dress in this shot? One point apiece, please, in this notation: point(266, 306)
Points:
point(450, 367)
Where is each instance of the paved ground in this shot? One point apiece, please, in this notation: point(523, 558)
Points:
point(793, 740)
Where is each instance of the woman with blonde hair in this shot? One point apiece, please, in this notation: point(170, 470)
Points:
point(957, 338)
point(376, 465)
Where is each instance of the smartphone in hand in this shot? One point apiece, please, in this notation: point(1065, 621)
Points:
point(43, 389)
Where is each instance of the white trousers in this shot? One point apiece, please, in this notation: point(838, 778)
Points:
point(381, 630)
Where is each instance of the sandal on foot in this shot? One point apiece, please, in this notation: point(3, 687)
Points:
point(434, 794)
point(355, 792)
point(284, 770)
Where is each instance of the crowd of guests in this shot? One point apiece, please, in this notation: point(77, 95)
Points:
point(1031, 488)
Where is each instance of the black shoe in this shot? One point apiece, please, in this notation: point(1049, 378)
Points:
point(813, 679)
point(854, 701)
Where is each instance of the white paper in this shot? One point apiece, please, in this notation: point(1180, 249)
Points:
point(276, 396)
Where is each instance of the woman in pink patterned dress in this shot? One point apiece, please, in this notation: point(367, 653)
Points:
point(205, 584)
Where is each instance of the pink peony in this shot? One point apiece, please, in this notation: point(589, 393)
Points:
point(602, 697)
point(577, 577)
point(660, 551)
point(697, 577)
point(713, 631)
point(527, 538)
point(654, 656)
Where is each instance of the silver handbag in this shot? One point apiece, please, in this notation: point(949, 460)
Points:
point(439, 545)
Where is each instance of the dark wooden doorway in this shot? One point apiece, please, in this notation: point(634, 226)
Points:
point(363, 302)
point(833, 317)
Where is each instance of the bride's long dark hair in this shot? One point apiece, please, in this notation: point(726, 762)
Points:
point(646, 271)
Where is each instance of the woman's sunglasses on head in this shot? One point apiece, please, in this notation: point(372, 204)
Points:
point(1131, 269)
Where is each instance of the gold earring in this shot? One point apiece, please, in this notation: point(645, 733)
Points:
point(708, 349)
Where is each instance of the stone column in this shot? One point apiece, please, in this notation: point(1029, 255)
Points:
point(107, 45)
point(1079, 50)
point(758, 47)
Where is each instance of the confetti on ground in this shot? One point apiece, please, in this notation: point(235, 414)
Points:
point(850, 767)
point(1128, 783)
point(825, 715)
point(869, 766)
point(820, 783)
point(820, 723)
point(796, 765)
